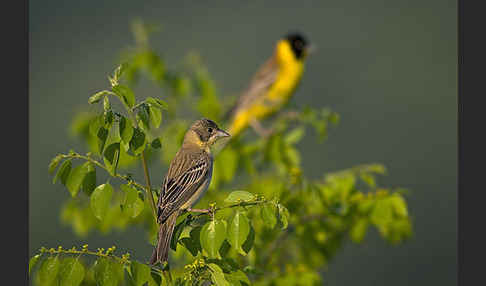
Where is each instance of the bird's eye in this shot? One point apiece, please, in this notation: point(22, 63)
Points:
point(210, 130)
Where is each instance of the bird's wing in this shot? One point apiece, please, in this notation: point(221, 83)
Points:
point(259, 85)
point(183, 179)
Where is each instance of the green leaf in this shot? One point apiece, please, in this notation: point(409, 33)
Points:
point(181, 85)
point(399, 205)
point(238, 231)
point(89, 182)
point(108, 118)
point(100, 200)
point(236, 196)
point(292, 156)
point(54, 162)
point(107, 272)
point(75, 179)
point(143, 115)
point(111, 157)
point(358, 230)
point(225, 248)
point(156, 277)
point(102, 135)
point(71, 272)
point(295, 135)
point(63, 172)
point(269, 214)
point(132, 205)
point(283, 216)
point(217, 275)
point(177, 233)
point(368, 179)
point(97, 96)
point(236, 277)
point(137, 144)
point(126, 94)
point(95, 124)
point(382, 213)
point(49, 270)
point(192, 243)
point(157, 103)
point(156, 143)
point(212, 236)
point(140, 273)
point(250, 240)
point(126, 130)
point(128, 277)
point(155, 116)
point(33, 261)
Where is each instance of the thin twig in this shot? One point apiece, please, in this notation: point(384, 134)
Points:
point(240, 204)
point(149, 188)
point(123, 260)
point(127, 178)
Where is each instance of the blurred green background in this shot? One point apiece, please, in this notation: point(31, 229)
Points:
point(389, 69)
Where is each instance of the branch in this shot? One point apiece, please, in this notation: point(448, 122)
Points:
point(144, 163)
point(243, 204)
point(127, 178)
point(100, 253)
point(212, 210)
point(124, 259)
point(147, 179)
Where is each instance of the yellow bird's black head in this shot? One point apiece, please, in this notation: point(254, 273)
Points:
point(208, 131)
point(298, 43)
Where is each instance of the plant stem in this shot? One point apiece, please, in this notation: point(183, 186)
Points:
point(144, 164)
point(121, 260)
point(123, 177)
point(87, 252)
point(149, 188)
point(240, 204)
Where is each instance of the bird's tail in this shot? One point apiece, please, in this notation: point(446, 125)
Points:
point(161, 251)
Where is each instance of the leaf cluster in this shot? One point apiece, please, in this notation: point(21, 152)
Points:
point(278, 228)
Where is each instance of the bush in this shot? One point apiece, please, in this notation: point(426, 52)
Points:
point(270, 225)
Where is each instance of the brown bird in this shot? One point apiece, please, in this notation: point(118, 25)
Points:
point(187, 179)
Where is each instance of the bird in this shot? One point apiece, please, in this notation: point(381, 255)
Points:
point(272, 85)
point(187, 179)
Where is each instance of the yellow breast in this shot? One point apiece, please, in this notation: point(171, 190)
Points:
point(289, 75)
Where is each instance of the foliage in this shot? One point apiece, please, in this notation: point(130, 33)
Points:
point(268, 224)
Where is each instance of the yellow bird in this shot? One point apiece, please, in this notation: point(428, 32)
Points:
point(272, 85)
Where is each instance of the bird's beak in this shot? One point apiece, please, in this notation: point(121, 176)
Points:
point(221, 133)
